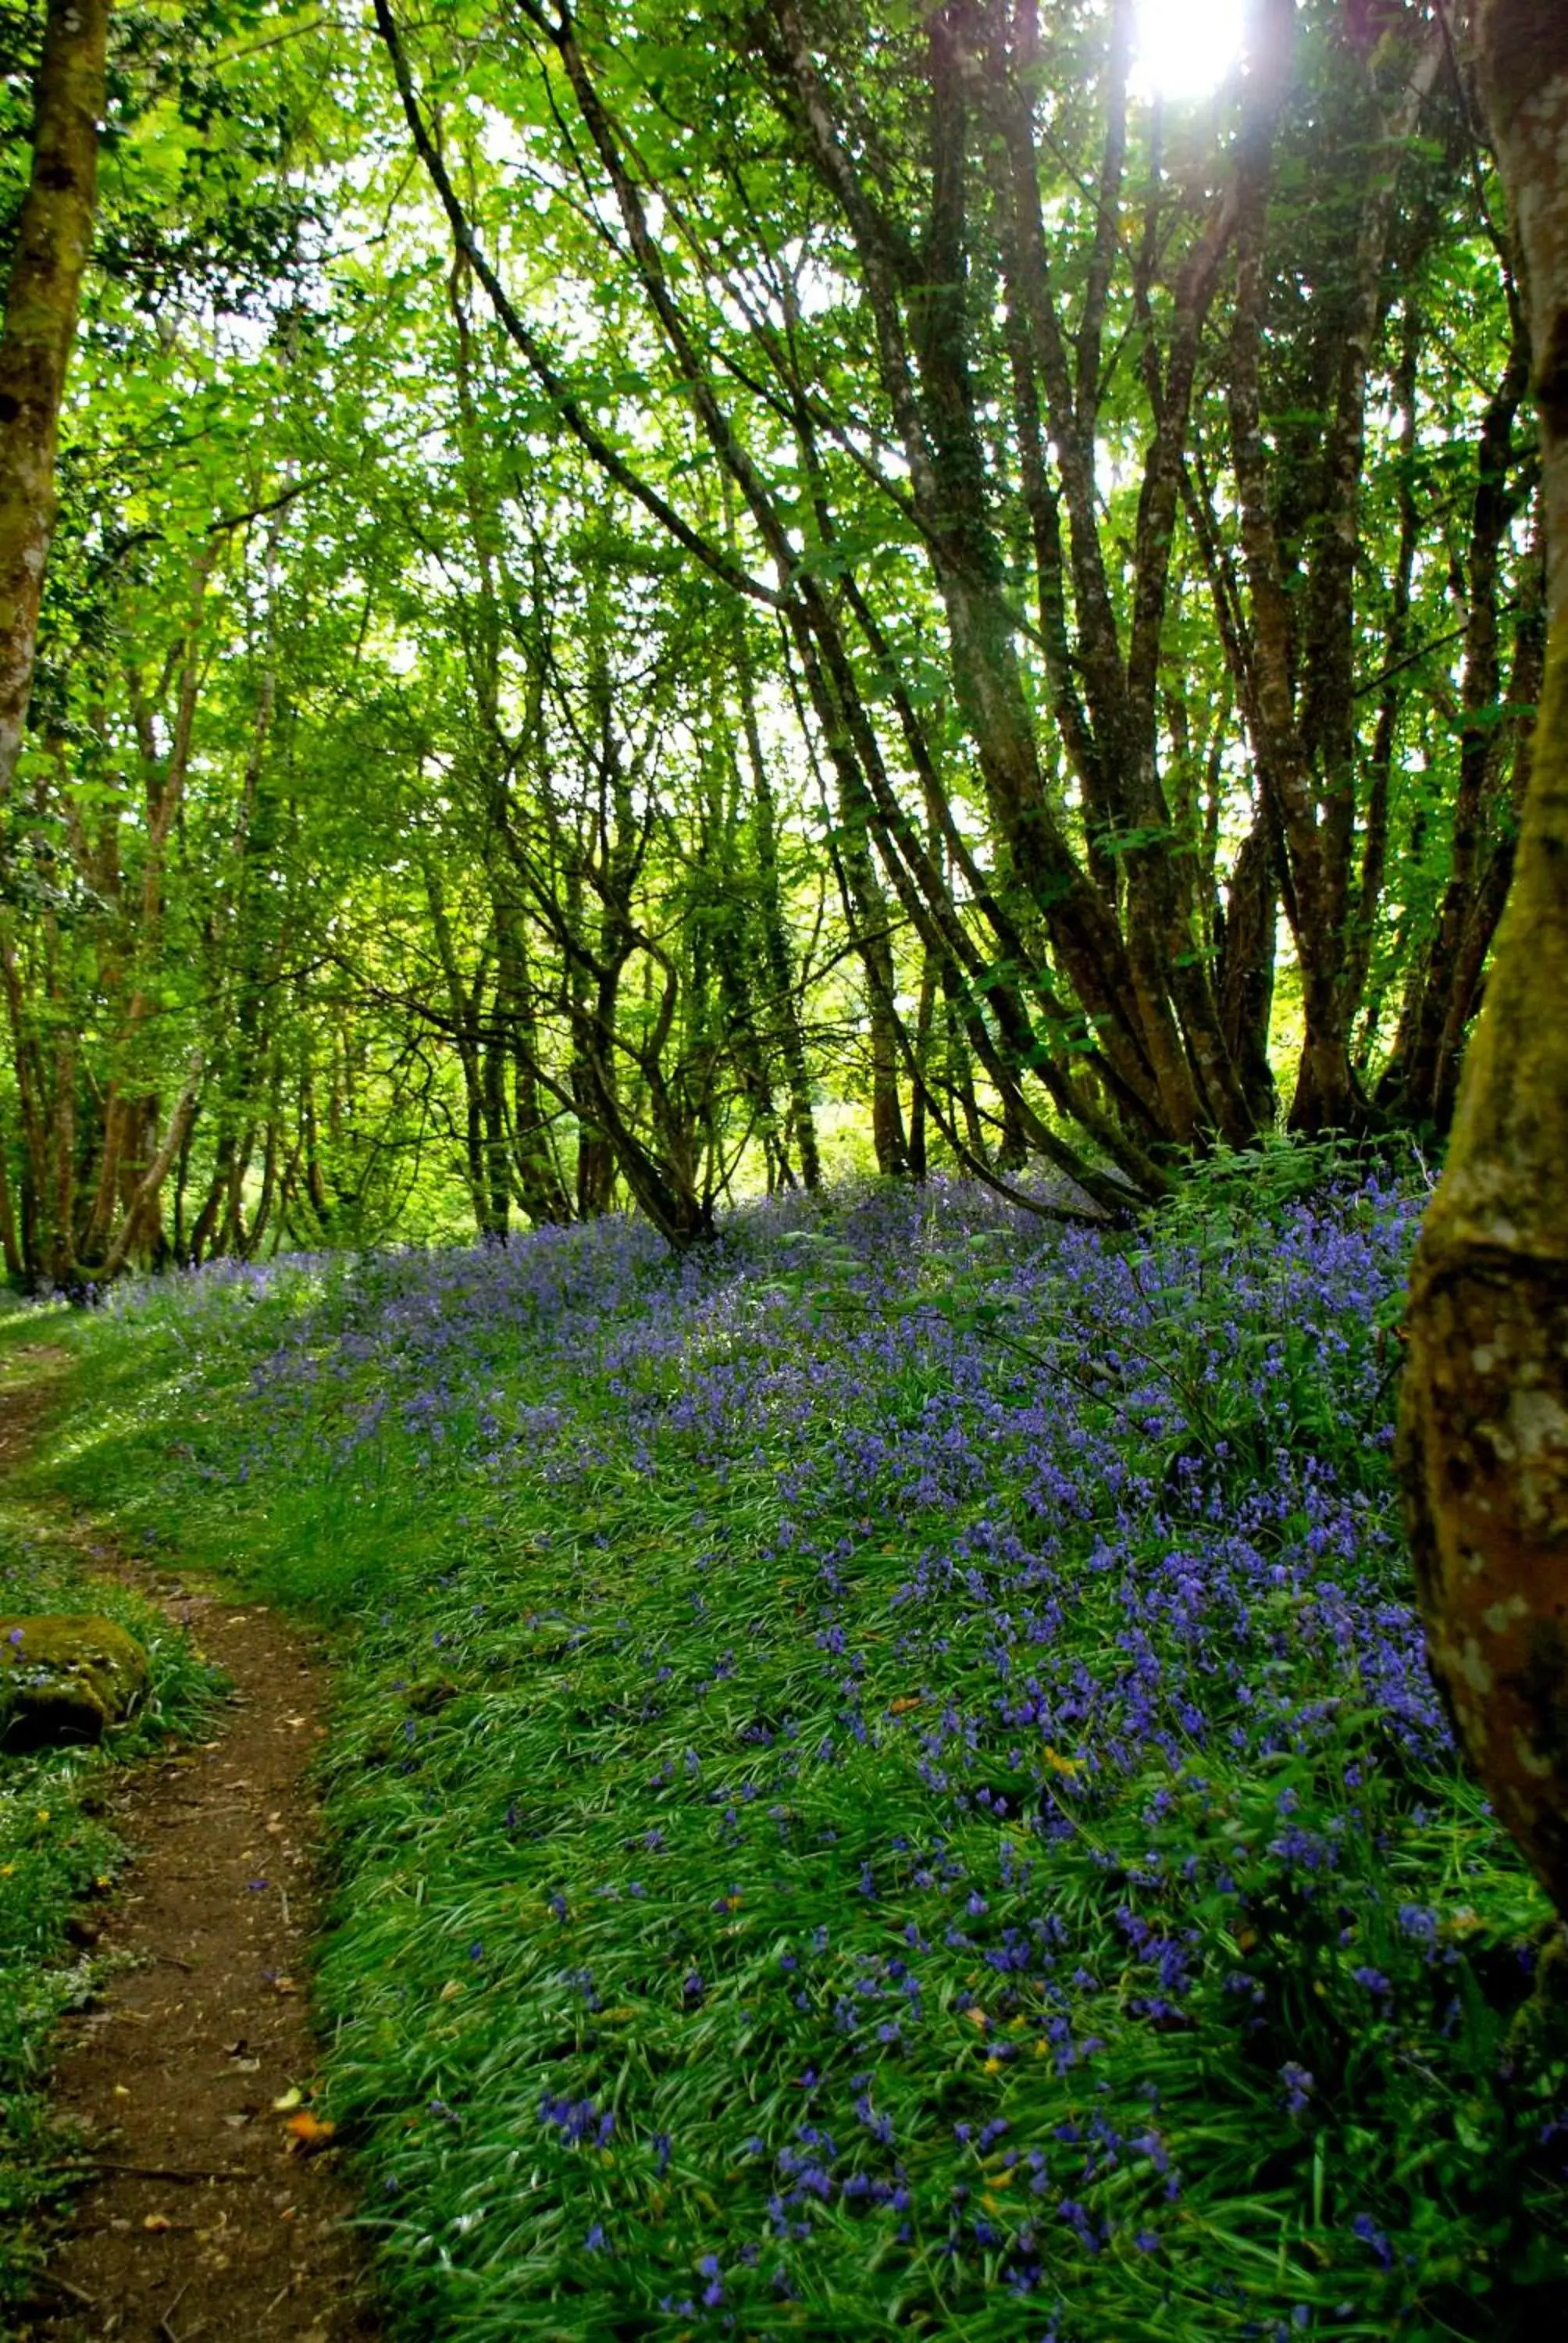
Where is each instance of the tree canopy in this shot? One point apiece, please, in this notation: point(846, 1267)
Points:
point(647, 603)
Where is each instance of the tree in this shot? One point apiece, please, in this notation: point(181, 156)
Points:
point(1003, 379)
point(42, 295)
point(893, 595)
point(1486, 1397)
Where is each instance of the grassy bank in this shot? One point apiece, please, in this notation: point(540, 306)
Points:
point(57, 1854)
point(884, 1779)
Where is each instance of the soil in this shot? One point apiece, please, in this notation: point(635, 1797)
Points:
point(204, 2214)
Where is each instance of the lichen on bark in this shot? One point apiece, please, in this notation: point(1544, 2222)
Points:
point(1485, 1405)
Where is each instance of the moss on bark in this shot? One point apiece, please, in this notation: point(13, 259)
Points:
point(1485, 1406)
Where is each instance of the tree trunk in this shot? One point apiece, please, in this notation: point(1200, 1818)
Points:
point(1441, 994)
point(1244, 977)
point(540, 1188)
point(142, 1203)
point(777, 954)
point(10, 1251)
point(1484, 1408)
point(53, 237)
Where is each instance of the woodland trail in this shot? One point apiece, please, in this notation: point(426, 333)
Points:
point(203, 2217)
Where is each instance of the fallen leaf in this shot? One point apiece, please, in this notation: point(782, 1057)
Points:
point(289, 2102)
point(309, 2131)
point(905, 1702)
point(157, 2221)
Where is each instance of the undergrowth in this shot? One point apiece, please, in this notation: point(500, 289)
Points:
point(885, 1780)
point(56, 1852)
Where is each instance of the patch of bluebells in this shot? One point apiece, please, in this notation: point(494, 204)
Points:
point(980, 1656)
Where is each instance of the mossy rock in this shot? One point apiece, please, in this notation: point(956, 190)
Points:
point(70, 1677)
point(431, 1694)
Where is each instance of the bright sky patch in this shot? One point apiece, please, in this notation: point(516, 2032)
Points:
point(1184, 49)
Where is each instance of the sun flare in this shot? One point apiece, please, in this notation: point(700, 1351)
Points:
point(1184, 49)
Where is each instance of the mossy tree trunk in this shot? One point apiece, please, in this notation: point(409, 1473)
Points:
point(1484, 1434)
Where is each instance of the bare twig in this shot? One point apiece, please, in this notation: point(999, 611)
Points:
point(72, 2293)
point(165, 2324)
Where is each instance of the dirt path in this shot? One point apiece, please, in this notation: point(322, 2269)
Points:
point(205, 2217)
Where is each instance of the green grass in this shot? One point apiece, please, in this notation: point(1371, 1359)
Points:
point(55, 1850)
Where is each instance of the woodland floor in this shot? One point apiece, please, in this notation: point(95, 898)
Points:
point(203, 2216)
point(883, 1782)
